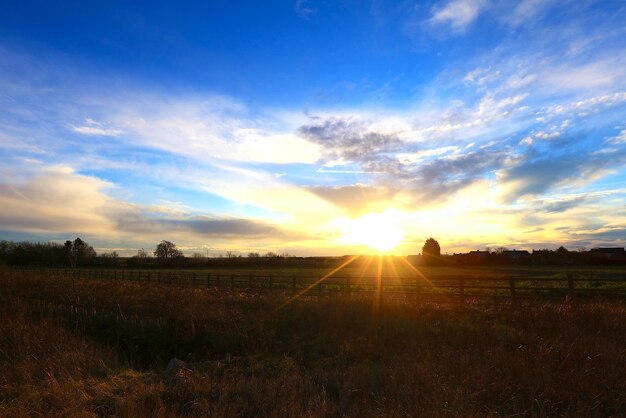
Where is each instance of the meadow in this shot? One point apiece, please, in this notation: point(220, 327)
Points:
point(395, 275)
point(395, 267)
point(91, 347)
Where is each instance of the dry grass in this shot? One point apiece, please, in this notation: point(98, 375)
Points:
point(97, 348)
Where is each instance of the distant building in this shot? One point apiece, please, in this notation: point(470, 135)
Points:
point(609, 253)
point(478, 254)
point(516, 254)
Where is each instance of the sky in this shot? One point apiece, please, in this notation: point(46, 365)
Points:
point(314, 127)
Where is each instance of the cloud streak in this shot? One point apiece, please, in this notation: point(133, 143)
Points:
point(458, 14)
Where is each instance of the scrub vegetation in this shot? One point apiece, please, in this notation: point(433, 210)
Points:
point(75, 347)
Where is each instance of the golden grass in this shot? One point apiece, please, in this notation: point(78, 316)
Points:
point(98, 348)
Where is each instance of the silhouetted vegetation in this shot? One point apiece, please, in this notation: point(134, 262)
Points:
point(431, 252)
point(431, 248)
point(78, 253)
point(166, 250)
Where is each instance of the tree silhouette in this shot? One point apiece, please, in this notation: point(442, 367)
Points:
point(431, 248)
point(167, 250)
point(79, 252)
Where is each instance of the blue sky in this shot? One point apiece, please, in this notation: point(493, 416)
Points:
point(300, 126)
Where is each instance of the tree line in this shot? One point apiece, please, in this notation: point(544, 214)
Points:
point(79, 253)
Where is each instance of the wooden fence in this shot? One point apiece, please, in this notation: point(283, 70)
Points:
point(569, 284)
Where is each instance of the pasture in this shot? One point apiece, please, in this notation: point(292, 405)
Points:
point(99, 347)
point(394, 275)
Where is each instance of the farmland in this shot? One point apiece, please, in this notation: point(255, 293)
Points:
point(99, 347)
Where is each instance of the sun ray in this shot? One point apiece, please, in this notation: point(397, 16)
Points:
point(392, 266)
point(312, 285)
point(415, 269)
point(421, 275)
point(394, 271)
point(366, 267)
point(379, 283)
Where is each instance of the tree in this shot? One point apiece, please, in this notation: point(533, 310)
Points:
point(431, 248)
point(79, 252)
point(166, 250)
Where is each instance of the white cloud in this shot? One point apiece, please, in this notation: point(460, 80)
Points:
point(90, 130)
point(598, 74)
point(214, 128)
point(481, 76)
point(525, 11)
point(259, 146)
point(56, 200)
point(618, 139)
point(459, 14)
point(93, 127)
point(418, 156)
point(582, 107)
point(547, 135)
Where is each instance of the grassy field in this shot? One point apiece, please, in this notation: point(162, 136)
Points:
point(398, 276)
point(391, 267)
point(100, 348)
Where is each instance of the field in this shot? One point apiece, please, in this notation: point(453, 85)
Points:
point(394, 275)
point(392, 267)
point(98, 347)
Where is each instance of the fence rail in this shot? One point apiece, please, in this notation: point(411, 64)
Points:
point(464, 287)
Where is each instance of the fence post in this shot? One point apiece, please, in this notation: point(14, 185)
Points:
point(570, 285)
point(512, 287)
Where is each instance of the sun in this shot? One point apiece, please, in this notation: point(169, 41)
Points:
point(378, 231)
